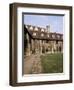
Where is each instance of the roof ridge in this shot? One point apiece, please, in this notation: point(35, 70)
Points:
point(35, 26)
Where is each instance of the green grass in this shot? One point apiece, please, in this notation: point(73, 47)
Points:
point(52, 63)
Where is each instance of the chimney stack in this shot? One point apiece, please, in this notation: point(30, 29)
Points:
point(48, 28)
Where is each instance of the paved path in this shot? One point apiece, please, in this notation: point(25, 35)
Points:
point(32, 64)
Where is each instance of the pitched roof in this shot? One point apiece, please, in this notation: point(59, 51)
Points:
point(42, 33)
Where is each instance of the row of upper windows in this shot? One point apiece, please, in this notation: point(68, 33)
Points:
point(36, 28)
point(53, 36)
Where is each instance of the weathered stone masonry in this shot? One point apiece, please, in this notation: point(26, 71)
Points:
point(41, 40)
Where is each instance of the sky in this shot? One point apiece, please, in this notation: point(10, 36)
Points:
point(55, 22)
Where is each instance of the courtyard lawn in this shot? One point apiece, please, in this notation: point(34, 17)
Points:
point(52, 63)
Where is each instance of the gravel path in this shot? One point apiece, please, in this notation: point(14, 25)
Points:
point(32, 64)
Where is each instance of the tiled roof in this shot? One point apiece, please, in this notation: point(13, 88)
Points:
point(42, 33)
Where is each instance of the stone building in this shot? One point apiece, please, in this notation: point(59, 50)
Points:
point(41, 40)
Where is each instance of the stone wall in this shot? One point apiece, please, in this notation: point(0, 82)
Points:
point(35, 46)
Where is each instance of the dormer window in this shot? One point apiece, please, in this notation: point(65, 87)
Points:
point(34, 34)
point(42, 34)
point(53, 36)
point(31, 28)
point(36, 29)
point(48, 35)
point(26, 26)
point(42, 30)
point(58, 36)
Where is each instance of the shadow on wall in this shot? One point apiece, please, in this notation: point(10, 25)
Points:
point(25, 40)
